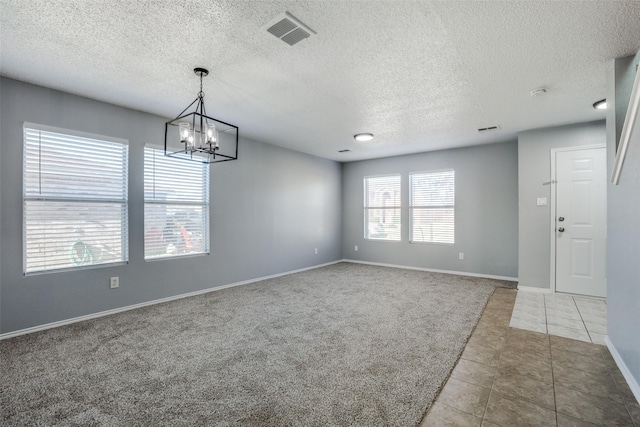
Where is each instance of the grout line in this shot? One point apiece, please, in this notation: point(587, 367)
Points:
point(553, 382)
point(610, 371)
point(582, 319)
point(495, 374)
point(444, 384)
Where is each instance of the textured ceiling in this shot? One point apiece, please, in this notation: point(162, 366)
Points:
point(420, 75)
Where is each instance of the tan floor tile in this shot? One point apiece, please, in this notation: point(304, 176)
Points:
point(593, 409)
point(579, 361)
point(522, 338)
point(494, 323)
point(608, 358)
point(595, 383)
point(534, 351)
point(532, 337)
point(575, 346)
point(465, 397)
point(441, 415)
point(501, 303)
point(489, 329)
point(482, 354)
point(496, 318)
point(621, 382)
point(499, 312)
point(504, 411)
point(488, 325)
point(567, 421)
point(634, 409)
point(526, 388)
point(519, 343)
point(474, 373)
point(512, 364)
point(493, 341)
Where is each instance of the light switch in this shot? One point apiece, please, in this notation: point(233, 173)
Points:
point(541, 201)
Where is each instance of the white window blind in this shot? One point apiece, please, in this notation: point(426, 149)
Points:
point(176, 206)
point(432, 207)
point(382, 208)
point(75, 200)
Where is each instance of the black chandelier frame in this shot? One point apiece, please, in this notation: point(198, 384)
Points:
point(204, 153)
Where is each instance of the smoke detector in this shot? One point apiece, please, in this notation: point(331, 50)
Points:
point(289, 29)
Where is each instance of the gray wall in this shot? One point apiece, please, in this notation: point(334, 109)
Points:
point(534, 169)
point(623, 229)
point(269, 210)
point(486, 211)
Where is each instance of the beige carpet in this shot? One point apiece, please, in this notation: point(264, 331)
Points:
point(342, 345)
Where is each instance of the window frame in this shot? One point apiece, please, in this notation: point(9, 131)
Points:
point(451, 207)
point(124, 202)
point(205, 205)
point(367, 208)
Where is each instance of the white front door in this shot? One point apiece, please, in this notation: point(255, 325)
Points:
point(581, 221)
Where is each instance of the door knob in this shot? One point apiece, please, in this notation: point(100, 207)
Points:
point(561, 229)
point(561, 219)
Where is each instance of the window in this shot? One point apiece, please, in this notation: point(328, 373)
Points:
point(176, 206)
point(432, 207)
point(75, 199)
point(382, 208)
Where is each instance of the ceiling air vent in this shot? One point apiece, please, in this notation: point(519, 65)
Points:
point(488, 128)
point(289, 29)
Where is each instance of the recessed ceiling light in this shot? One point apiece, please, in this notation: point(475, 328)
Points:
point(363, 137)
point(600, 105)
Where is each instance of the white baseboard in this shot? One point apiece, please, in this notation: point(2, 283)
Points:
point(631, 381)
point(153, 302)
point(534, 289)
point(433, 270)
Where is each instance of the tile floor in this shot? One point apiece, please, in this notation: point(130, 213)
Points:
point(508, 376)
point(579, 318)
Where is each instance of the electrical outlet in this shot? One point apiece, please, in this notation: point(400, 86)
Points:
point(114, 282)
point(355, 248)
point(461, 256)
point(315, 251)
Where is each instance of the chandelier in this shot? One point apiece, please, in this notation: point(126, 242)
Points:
point(196, 136)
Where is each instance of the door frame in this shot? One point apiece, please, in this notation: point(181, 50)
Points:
point(552, 206)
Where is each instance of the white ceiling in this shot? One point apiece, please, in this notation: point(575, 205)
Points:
point(420, 75)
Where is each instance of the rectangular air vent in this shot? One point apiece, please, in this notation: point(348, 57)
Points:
point(289, 29)
point(488, 128)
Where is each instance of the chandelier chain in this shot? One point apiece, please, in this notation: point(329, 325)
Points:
point(201, 94)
